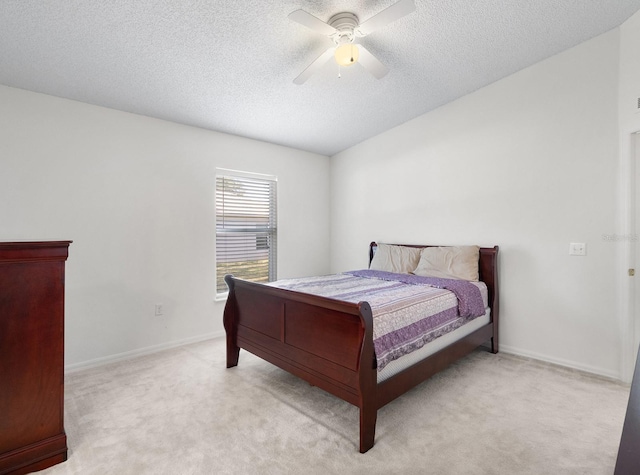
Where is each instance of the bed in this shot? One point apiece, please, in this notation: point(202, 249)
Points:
point(330, 342)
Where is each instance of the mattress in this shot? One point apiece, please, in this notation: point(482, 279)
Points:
point(400, 364)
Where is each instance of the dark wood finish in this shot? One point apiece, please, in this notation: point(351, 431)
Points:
point(32, 433)
point(329, 343)
point(628, 462)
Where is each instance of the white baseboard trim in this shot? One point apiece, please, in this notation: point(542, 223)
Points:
point(72, 368)
point(561, 362)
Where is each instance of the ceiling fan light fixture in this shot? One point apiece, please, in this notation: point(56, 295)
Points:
point(346, 54)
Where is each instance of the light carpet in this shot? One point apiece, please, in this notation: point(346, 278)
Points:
point(182, 412)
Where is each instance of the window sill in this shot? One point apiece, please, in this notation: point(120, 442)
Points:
point(221, 297)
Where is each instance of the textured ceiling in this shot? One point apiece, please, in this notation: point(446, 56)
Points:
point(229, 65)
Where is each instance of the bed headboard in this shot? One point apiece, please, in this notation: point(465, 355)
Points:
point(487, 269)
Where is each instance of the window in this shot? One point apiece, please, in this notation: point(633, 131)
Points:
point(245, 227)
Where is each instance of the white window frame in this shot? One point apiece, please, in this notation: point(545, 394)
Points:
point(262, 234)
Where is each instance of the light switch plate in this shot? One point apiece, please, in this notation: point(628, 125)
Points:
point(577, 249)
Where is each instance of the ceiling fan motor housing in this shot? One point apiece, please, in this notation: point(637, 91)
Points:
point(345, 23)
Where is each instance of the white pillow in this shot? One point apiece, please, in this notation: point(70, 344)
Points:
point(399, 259)
point(454, 262)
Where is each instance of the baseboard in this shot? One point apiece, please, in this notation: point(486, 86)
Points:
point(561, 362)
point(209, 336)
point(72, 368)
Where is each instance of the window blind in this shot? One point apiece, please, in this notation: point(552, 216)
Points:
point(246, 230)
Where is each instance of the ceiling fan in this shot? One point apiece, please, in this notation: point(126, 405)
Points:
point(343, 28)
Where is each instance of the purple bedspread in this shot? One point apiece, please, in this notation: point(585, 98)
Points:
point(469, 297)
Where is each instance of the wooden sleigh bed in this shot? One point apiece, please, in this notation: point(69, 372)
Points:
point(329, 343)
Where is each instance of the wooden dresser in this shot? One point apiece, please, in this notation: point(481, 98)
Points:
point(32, 433)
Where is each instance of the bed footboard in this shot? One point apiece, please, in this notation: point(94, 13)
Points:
point(323, 341)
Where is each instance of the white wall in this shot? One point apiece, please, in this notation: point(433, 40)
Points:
point(136, 195)
point(528, 163)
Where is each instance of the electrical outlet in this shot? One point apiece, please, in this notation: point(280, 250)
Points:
point(577, 249)
point(159, 309)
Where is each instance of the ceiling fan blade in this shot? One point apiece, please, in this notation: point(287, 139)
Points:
point(386, 16)
point(371, 63)
point(311, 22)
point(315, 66)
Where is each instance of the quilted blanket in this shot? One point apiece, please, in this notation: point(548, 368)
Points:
point(408, 310)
